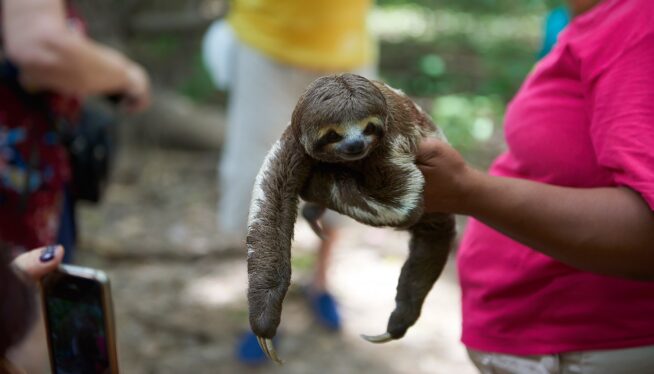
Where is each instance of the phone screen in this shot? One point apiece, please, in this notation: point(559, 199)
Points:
point(76, 325)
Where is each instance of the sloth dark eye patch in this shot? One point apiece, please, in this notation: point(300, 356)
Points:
point(331, 137)
point(370, 129)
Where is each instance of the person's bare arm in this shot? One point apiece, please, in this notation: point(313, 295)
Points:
point(604, 230)
point(51, 55)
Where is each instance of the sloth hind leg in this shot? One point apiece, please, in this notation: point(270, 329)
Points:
point(431, 239)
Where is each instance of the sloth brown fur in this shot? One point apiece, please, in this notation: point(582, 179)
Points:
point(350, 147)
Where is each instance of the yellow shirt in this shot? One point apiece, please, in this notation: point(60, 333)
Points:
point(323, 35)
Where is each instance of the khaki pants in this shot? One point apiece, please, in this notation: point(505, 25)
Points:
point(638, 360)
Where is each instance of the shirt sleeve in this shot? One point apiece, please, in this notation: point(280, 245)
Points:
point(622, 117)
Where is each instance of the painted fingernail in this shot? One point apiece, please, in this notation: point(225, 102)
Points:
point(48, 253)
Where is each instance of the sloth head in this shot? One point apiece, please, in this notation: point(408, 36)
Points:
point(340, 118)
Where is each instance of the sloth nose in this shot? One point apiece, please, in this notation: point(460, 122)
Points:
point(354, 146)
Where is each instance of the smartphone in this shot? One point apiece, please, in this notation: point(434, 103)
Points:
point(79, 321)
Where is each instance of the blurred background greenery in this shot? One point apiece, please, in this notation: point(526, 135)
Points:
point(467, 58)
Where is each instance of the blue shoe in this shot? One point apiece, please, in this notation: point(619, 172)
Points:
point(324, 307)
point(248, 350)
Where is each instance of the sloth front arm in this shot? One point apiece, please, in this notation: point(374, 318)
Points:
point(389, 196)
point(273, 212)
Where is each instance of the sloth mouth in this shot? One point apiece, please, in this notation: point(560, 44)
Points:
point(351, 156)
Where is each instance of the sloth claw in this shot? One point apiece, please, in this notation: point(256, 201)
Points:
point(378, 339)
point(268, 348)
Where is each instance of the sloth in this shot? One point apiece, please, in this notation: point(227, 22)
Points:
point(350, 147)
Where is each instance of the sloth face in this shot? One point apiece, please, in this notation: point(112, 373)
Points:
point(340, 118)
point(349, 141)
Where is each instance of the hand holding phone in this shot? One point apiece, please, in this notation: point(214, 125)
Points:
point(79, 321)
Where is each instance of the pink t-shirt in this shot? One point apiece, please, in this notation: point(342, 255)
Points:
point(583, 118)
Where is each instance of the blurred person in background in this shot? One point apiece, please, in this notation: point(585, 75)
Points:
point(557, 261)
point(266, 54)
point(557, 19)
point(47, 65)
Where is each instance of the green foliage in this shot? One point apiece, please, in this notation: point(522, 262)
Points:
point(303, 261)
point(432, 65)
point(162, 47)
point(198, 85)
point(467, 119)
point(471, 56)
point(440, 51)
point(506, 64)
point(453, 65)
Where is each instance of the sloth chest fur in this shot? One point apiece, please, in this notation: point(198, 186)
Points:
point(381, 191)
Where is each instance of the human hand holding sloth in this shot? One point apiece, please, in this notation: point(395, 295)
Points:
point(448, 178)
point(351, 147)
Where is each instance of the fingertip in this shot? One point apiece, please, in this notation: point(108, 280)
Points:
point(48, 263)
point(40, 261)
point(48, 253)
point(52, 252)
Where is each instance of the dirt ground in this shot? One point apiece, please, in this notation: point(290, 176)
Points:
point(179, 289)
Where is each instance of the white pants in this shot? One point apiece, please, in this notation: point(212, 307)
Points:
point(263, 94)
point(639, 360)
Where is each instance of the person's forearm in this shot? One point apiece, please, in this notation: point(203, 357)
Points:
point(79, 66)
point(604, 230)
point(53, 56)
